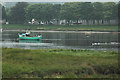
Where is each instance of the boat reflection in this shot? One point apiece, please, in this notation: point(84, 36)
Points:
point(30, 41)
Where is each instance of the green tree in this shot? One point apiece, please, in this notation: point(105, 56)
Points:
point(119, 13)
point(67, 12)
point(98, 12)
point(108, 11)
point(0, 12)
point(4, 16)
point(8, 13)
point(115, 11)
point(56, 12)
point(17, 14)
point(48, 13)
point(72, 11)
point(34, 12)
point(77, 10)
point(41, 12)
point(87, 11)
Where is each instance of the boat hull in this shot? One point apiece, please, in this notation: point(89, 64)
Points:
point(30, 38)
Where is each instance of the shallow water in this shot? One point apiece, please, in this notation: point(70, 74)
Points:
point(64, 39)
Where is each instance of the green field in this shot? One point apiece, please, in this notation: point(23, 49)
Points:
point(60, 27)
point(59, 63)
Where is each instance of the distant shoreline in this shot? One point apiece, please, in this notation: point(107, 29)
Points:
point(64, 28)
point(82, 31)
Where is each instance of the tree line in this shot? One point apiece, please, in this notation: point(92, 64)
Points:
point(23, 12)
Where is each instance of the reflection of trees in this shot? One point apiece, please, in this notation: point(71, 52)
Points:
point(79, 39)
point(76, 39)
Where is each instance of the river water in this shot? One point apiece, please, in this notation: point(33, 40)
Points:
point(64, 39)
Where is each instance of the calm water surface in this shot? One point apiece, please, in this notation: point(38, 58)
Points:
point(63, 39)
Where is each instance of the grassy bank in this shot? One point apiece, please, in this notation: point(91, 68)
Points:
point(62, 27)
point(59, 63)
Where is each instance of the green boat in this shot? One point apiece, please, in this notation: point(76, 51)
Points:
point(25, 36)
